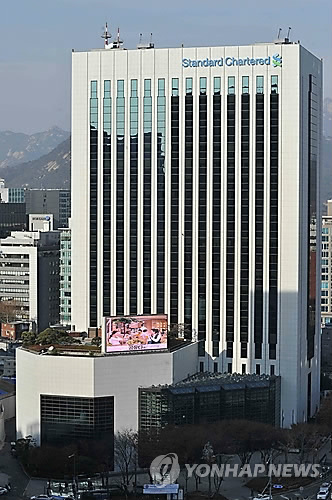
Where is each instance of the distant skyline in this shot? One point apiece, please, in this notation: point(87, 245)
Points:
point(37, 37)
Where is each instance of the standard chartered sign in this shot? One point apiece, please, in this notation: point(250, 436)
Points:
point(232, 61)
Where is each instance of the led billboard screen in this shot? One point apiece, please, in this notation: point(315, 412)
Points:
point(136, 333)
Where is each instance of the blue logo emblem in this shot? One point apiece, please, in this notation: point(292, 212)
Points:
point(276, 61)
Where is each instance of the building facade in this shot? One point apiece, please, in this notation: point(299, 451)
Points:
point(29, 276)
point(326, 263)
point(50, 201)
point(11, 195)
point(65, 277)
point(12, 218)
point(210, 397)
point(192, 170)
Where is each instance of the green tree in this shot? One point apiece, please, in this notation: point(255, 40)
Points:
point(28, 338)
point(53, 336)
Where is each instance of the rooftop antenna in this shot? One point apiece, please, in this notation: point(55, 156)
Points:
point(279, 33)
point(289, 30)
point(117, 44)
point(106, 36)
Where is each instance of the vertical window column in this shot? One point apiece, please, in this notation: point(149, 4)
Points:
point(93, 200)
point(120, 132)
point(147, 129)
point(230, 223)
point(259, 218)
point(202, 214)
point(273, 246)
point(161, 150)
point(188, 203)
point(313, 146)
point(133, 196)
point(216, 222)
point(244, 269)
point(174, 293)
point(107, 122)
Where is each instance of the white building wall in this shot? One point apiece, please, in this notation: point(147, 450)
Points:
point(85, 376)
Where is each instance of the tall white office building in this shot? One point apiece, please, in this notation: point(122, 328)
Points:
point(194, 182)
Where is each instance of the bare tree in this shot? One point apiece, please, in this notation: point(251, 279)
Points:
point(125, 456)
point(9, 310)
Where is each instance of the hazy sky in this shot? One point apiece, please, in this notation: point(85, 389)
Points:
point(36, 38)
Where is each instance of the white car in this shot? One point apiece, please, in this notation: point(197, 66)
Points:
point(326, 485)
point(323, 494)
point(3, 490)
point(40, 497)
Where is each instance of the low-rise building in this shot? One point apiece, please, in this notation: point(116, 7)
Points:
point(82, 393)
point(209, 397)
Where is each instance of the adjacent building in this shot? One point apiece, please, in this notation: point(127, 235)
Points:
point(29, 276)
point(49, 201)
point(210, 397)
point(65, 277)
point(74, 392)
point(195, 181)
point(11, 195)
point(326, 269)
point(12, 218)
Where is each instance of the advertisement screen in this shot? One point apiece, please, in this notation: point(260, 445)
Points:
point(136, 333)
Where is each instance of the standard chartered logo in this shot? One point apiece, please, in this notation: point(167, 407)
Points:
point(165, 469)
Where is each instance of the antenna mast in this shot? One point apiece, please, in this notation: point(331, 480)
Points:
point(106, 36)
point(279, 33)
point(118, 42)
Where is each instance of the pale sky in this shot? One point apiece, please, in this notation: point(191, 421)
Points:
point(37, 36)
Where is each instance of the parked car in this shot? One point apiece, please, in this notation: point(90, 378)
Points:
point(3, 490)
point(40, 497)
point(323, 494)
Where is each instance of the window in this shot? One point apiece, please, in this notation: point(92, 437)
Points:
point(259, 84)
point(231, 85)
point(161, 87)
point(245, 85)
point(324, 285)
point(93, 89)
point(216, 85)
point(107, 89)
point(201, 366)
point(189, 86)
point(202, 86)
point(325, 230)
point(229, 367)
point(274, 84)
point(258, 369)
point(272, 368)
point(120, 88)
point(215, 367)
point(325, 238)
point(325, 262)
point(175, 87)
point(243, 369)
point(147, 88)
point(133, 88)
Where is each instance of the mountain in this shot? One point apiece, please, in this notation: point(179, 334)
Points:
point(17, 148)
point(49, 171)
